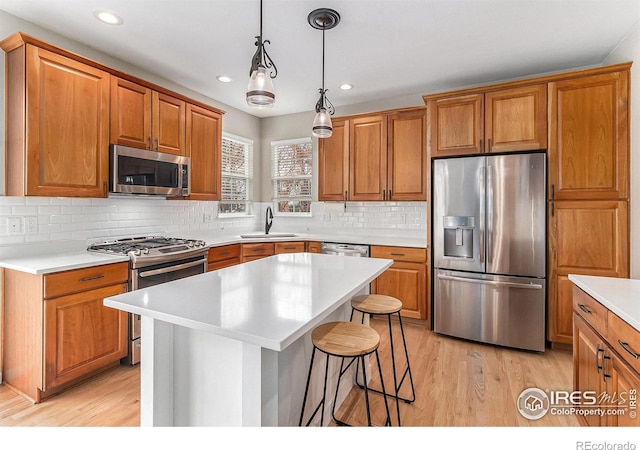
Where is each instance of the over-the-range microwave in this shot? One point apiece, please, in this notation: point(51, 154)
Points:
point(137, 171)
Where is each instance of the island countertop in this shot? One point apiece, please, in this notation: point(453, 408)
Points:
point(269, 302)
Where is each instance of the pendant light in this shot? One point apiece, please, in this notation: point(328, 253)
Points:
point(323, 19)
point(260, 92)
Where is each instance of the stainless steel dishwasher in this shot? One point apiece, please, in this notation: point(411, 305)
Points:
point(334, 248)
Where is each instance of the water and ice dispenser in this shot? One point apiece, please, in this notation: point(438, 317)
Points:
point(458, 236)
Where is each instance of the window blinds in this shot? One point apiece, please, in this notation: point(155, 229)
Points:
point(291, 175)
point(237, 173)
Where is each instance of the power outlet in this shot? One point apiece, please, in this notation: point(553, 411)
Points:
point(14, 225)
point(31, 224)
point(207, 217)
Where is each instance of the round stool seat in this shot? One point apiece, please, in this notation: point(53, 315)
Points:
point(345, 339)
point(376, 304)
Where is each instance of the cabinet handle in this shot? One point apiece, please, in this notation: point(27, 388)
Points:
point(223, 253)
point(389, 194)
point(149, 147)
point(105, 188)
point(397, 254)
point(289, 248)
point(384, 194)
point(97, 277)
point(345, 201)
point(553, 209)
point(598, 366)
point(157, 145)
point(604, 375)
point(257, 250)
point(480, 145)
point(553, 191)
point(488, 145)
point(625, 345)
point(584, 308)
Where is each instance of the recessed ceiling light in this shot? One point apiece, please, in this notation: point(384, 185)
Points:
point(224, 79)
point(346, 86)
point(108, 17)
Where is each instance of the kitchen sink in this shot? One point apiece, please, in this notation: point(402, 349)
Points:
point(267, 236)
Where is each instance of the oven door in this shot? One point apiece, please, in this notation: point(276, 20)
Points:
point(156, 274)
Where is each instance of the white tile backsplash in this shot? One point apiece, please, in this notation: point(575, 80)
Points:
point(81, 219)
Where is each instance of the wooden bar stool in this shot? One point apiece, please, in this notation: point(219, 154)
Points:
point(384, 305)
point(343, 340)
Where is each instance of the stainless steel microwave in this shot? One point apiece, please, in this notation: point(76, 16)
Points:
point(137, 171)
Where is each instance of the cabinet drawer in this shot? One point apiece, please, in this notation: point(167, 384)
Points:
point(262, 249)
point(78, 280)
point(625, 340)
point(215, 265)
point(590, 310)
point(289, 247)
point(399, 253)
point(224, 252)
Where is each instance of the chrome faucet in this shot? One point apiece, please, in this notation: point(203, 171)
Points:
point(268, 221)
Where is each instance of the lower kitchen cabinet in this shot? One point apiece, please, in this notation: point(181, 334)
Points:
point(255, 251)
point(605, 361)
point(57, 332)
point(289, 247)
point(405, 280)
point(314, 247)
point(224, 256)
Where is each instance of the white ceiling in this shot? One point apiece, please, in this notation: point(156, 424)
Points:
point(386, 48)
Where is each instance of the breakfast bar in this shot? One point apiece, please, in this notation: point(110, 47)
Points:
point(231, 347)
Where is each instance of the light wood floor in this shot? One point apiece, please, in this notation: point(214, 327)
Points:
point(457, 383)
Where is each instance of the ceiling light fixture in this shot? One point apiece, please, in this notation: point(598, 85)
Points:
point(323, 19)
point(260, 92)
point(346, 86)
point(108, 17)
point(224, 79)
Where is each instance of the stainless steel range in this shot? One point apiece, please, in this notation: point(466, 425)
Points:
point(154, 260)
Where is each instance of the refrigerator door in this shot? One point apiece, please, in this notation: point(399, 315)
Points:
point(516, 215)
point(508, 311)
point(458, 213)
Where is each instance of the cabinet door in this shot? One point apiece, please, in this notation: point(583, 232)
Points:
point(314, 247)
point(82, 335)
point(588, 364)
point(289, 247)
point(368, 158)
point(456, 125)
point(516, 119)
point(168, 119)
point(333, 164)
point(587, 238)
point(130, 114)
point(67, 127)
point(624, 381)
point(204, 147)
point(408, 283)
point(407, 155)
point(589, 135)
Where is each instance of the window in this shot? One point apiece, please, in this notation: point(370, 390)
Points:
point(291, 175)
point(237, 174)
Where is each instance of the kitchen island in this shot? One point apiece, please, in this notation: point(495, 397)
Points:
point(232, 347)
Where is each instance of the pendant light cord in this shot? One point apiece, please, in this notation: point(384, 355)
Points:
point(322, 59)
point(261, 19)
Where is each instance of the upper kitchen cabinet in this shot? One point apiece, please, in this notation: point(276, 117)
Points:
point(502, 120)
point(589, 137)
point(57, 113)
point(204, 147)
point(379, 157)
point(147, 119)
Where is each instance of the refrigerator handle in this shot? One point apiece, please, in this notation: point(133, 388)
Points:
point(489, 213)
point(491, 283)
point(482, 213)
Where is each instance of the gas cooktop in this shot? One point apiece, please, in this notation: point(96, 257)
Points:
point(150, 247)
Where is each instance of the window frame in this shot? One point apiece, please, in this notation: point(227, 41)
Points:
point(249, 148)
point(274, 199)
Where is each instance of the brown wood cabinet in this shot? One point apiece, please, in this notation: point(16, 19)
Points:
point(405, 280)
point(589, 137)
point(380, 157)
point(585, 237)
point(289, 247)
point(314, 247)
point(501, 120)
point(257, 250)
point(57, 124)
point(57, 332)
point(147, 119)
point(204, 147)
point(223, 256)
point(605, 360)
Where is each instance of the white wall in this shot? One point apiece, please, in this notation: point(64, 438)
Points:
point(629, 50)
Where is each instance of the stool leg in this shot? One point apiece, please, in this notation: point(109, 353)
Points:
point(335, 397)
point(366, 391)
point(393, 368)
point(408, 370)
point(386, 404)
point(306, 389)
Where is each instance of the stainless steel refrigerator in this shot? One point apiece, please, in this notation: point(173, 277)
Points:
point(489, 240)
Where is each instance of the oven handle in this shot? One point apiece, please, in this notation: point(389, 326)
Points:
point(150, 273)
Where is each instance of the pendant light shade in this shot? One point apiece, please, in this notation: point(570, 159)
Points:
point(323, 19)
point(260, 91)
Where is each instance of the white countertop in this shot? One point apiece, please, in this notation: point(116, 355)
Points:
point(270, 302)
point(619, 295)
point(48, 262)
